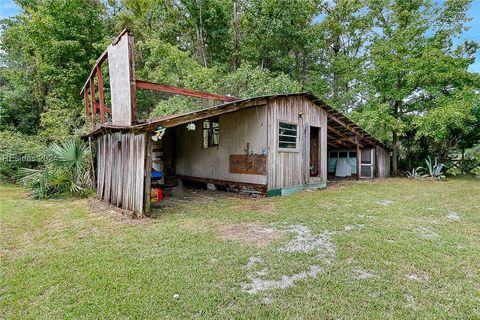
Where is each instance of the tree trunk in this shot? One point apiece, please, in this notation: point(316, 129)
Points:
point(201, 41)
point(395, 153)
point(236, 47)
point(395, 140)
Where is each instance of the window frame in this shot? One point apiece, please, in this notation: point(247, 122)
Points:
point(211, 132)
point(297, 137)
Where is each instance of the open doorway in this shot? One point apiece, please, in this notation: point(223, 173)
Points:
point(315, 151)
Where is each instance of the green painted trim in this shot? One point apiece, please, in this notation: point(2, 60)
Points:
point(274, 193)
point(291, 190)
point(317, 185)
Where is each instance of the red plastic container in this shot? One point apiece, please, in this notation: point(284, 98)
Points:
point(156, 194)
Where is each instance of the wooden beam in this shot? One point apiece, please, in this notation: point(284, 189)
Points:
point(343, 124)
point(343, 136)
point(101, 59)
point(148, 172)
point(140, 84)
point(133, 86)
point(358, 161)
point(336, 131)
point(334, 145)
point(87, 110)
point(338, 142)
point(94, 102)
point(234, 185)
point(100, 94)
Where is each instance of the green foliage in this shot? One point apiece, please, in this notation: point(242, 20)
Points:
point(434, 169)
point(65, 171)
point(249, 81)
point(415, 173)
point(18, 151)
point(246, 81)
point(394, 65)
point(175, 105)
point(47, 54)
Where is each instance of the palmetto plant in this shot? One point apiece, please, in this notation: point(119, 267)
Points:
point(64, 172)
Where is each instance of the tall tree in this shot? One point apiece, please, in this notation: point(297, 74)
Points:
point(413, 66)
point(278, 35)
point(341, 37)
point(47, 54)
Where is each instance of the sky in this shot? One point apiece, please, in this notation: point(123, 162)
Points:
point(9, 9)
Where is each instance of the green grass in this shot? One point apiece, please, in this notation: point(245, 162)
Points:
point(60, 261)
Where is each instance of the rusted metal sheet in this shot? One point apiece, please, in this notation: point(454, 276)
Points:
point(248, 164)
point(94, 102)
point(101, 97)
point(182, 91)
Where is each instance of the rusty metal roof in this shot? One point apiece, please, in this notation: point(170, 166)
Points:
point(338, 122)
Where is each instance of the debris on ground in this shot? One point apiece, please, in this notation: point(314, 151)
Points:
point(350, 227)
point(426, 233)
point(102, 208)
point(418, 277)
point(384, 202)
point(363, 274)
point(453, 216)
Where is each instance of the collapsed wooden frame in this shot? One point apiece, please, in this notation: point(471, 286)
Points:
point(89, 89)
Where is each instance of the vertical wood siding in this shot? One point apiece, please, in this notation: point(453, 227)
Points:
point(383, 162)
point(288, 169)
point(120, 170)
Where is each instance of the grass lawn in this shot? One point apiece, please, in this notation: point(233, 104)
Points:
point(391, 249)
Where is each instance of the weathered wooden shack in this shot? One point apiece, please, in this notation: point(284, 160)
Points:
point(269, 145)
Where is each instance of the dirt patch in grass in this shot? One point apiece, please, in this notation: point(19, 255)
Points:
point(103, 208)
point(253, 233)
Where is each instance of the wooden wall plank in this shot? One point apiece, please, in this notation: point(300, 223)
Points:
point(148, 171)
point(287, 169)
point(120, 178)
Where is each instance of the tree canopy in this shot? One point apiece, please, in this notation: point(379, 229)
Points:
point(395, 66)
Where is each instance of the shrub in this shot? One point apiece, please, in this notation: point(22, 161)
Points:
point(19, 151)
point(65, 171)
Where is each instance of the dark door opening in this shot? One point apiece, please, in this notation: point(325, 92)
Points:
point(314, 151)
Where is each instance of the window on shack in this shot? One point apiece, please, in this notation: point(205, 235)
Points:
point(211, 133)
point(287, 136)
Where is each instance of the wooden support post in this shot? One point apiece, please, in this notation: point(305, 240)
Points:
point(133, 86)
point(358, 161)
point(148, 172)
point(94, 102)
point(101, 97)
point(85, 96)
